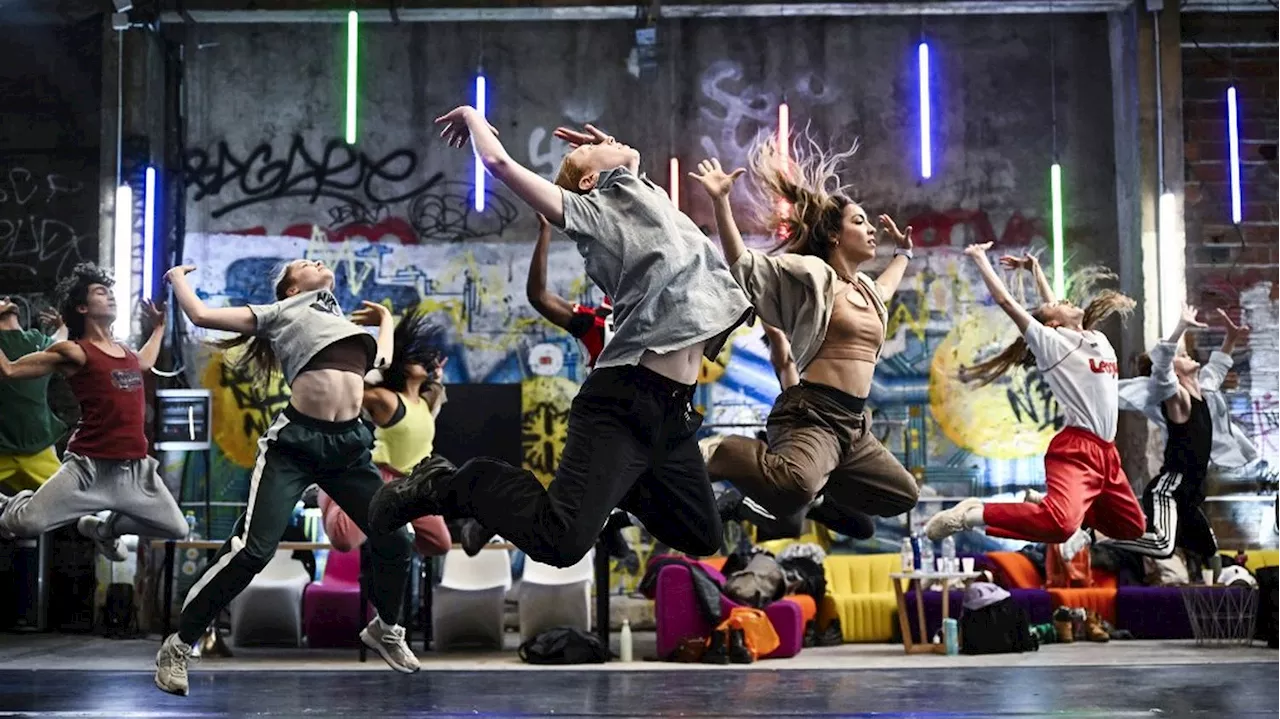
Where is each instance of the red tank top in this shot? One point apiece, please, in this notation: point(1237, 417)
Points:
point(112, 406)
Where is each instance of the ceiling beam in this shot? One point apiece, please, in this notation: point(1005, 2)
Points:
point(491, 12)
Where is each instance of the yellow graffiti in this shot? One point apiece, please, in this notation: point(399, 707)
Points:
point(544, 403)
point(983, 420)
point(243, 406)
point(713, 369)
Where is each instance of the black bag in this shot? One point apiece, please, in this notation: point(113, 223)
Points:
point(996, 629)
point(1268, 623)
point(119, 612)
point(564, 645)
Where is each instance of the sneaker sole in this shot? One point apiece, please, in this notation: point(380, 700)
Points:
point(377, 647)
point(176, 692)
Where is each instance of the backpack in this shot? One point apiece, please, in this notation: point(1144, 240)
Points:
point(564, 645)
point(998, 628)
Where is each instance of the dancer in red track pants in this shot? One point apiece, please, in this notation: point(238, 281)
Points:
point(1085, 483)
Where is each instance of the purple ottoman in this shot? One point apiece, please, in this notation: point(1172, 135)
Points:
point(1152, 612)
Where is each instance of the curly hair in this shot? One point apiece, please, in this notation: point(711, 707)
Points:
point(72, 292)
point(416, 342)
point(803, 199)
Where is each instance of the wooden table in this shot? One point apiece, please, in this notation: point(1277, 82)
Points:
point(922, 580)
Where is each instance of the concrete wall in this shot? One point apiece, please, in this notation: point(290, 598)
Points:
point(266, 164)
point(1230, 267)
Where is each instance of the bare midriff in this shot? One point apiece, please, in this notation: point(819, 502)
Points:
point(847, 358)
point(682, 365)
point(328, 394)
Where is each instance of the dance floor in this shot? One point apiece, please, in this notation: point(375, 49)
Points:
point(1248, 690)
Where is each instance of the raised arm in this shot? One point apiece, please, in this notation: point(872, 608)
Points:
point(1177, 400)
point(784, 364)
point(61, 357)
point(891, 277)
point(995, 285)
point(555, 308)
point(52, 320)
point(231, 319)
point(372, 314)
point(153, 317)
point(466, 122)
point(1032, 263)
point(718, 184)
point(1215, 370)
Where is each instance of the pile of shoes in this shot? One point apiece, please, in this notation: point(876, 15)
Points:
point(728, 646)
point(1076, 624)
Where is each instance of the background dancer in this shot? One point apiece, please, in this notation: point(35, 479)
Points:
point(734, 506)
point(819, 434)
point(403, 409)
point(318, 438)
point(631, 427)
point(1086, 484)
point(28, 427)
point(589, 325)
point(106, 465)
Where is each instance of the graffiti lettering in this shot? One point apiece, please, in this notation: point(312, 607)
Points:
point(741, 114)
point(446, 214)
point(1033, 401)
point(38, 246)
point(933, 228)
point(338, 171)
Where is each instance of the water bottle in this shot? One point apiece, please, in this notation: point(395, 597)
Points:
point(951, 636)
point(624, 642)
point(191, 526)
point(915, 553)
point(926, 554)
point(908, 556)
point(949, 563)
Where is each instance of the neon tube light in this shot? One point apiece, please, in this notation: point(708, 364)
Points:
point(926, 141)
point(122, 261)
point(1173, 247)
point(353, 36)
point(149, 234)
point(1233, 129)
point(784, 136)
point(481, 105)
point(674, 190)
point(1059, 261)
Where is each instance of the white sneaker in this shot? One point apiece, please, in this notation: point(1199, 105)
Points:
point(1032, 496)
point(388, 642)
point(109, 547)
point(708, 446)
point(171, 665)
point(950, 521)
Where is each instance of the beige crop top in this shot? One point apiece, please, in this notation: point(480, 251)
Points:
point(855, 331)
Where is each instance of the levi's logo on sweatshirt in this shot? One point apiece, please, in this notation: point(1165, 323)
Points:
point(1104, 367)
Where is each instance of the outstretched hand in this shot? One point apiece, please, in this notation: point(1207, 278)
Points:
point(370, 314)
point(1189, 317)
point(455, 132)
point(1235, 332)
point(577, 138)
point(901, 238)
point(179, 271)
point(51, 319)
point(714, 179)
point(978, 251)
point(1026, 262)
point(152, 316)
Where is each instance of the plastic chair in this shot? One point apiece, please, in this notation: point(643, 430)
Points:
point(467, 607)
point(269, 610)
point(331, 607)
point(555, 596)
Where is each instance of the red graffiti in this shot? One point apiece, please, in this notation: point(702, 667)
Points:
point(933, 228)
point(390, 227)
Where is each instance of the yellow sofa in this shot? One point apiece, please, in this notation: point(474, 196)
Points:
point(860, 592)
point(1257, 558)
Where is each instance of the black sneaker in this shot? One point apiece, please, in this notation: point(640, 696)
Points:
point(423, 492)
point(833, 635)
point(718, 652)
point(473, 537)
point(738, 651)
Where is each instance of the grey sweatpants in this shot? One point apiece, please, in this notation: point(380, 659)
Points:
point(131, 489)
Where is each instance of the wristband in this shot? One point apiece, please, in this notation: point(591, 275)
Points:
point(905, 252)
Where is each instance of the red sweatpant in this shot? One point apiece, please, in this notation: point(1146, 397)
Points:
point(1086, 486)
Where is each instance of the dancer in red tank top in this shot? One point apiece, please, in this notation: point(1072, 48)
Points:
point(106, 465)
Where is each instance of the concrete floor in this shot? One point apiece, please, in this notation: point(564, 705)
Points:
point(88, 676)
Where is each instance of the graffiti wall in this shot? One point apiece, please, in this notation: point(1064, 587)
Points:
point(395, 213)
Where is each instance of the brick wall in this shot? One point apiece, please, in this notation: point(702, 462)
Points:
point(1213, 245)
